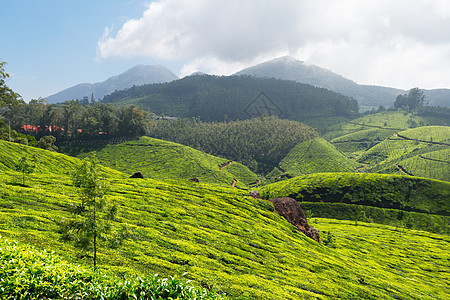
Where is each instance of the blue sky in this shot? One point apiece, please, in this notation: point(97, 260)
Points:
point(51, 45)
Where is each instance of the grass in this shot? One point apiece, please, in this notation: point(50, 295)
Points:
point(160, 159)
point(230, 242)
point(316, 156)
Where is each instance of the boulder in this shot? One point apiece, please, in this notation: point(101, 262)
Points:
point(291, 210)
point(137, 175)
point(195, 179)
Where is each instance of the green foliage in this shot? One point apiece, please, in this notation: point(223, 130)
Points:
point(379, 190)
point(8, 98)
point(47, 142)
point(28, 273)
point(259, 143)
point(214, 98)
point(224, 240)
point(386, 120)
point(92, 224)
point(420, 151)
point(166, 160)
point(411, 101)
point(370, 214)
point(316, 156)
point(361, 140)
point(25, 166)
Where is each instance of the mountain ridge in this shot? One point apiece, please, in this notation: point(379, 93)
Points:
point(137, 75)
point(289, 68)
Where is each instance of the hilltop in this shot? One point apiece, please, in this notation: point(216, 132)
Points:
point(137, 75)
point(160, 159)
point(226, 240)
point(314, 156)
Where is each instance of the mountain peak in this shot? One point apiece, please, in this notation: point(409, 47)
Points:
point(137, 75)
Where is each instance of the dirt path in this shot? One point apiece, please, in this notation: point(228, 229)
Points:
point(225, 165)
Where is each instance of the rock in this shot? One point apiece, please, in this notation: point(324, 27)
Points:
point(291, 210)
point(195, 179)
point(255, 194)
point(137, 175)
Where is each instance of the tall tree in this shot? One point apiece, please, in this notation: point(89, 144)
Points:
point(411, 101)
point(25, 166)
point(92, 223)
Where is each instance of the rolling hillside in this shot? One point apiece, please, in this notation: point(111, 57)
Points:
point(408, 201)
point(226, 240)
point(417, 151)
point(160, 159)
point(315, 156)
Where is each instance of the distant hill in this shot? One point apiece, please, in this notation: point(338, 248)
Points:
point(138, 75)
point(289, 68)
point(218, 98)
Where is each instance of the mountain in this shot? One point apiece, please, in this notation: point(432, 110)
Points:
point(289, 68)
point(137, 75)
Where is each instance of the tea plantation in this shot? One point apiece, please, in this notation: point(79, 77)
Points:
point(225, 241)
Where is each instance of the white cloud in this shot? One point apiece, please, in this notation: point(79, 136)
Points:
point(400, 43)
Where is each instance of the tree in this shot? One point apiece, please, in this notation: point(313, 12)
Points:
point(47, 142)
point(25, 166)
point(7, 96)
point(93, 218)
point(411, 101)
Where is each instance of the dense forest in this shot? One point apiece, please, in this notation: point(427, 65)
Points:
point(259, 143)
point(220, 98)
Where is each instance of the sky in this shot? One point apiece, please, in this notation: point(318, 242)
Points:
point(50, 45)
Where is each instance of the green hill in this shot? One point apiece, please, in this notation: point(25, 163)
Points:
point(218, 98)
point(411, 148)
point(160, 159)
point(408, 201)
point(224, 240)
point(315, 156)
point(386, 120)
point(356, 142)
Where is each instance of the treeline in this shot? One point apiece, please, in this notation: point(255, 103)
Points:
point(73, 120)
point(434, 111)
point(259, 143)
point(220, 98)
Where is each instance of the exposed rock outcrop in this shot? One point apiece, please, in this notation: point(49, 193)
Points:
point(291, 210)
point(195, 179)
point(137, 175)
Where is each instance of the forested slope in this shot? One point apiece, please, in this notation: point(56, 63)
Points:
point(217, 98)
